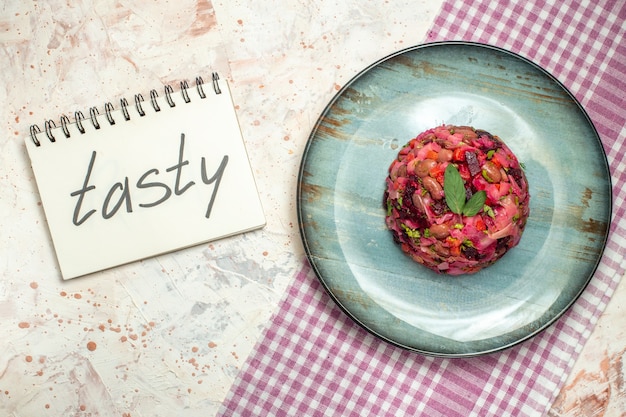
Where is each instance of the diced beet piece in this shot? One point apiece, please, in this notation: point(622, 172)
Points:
point(472, 163)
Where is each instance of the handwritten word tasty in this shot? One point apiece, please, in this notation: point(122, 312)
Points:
point(120, 194)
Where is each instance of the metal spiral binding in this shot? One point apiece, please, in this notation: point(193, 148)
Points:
point(64, 122)
point(168, 95)
point(153, 99)
point(48, 126)
point(34, 129)
point(138, 101)
point(79, 117)
point(199, 83)
point(183, 90)
point(94, 113)
point(108, 108)
point(124, 104)
point(216, 86)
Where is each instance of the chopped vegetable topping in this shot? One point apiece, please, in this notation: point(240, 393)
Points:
point(456, 199)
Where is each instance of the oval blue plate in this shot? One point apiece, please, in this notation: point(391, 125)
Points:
point(341, 184)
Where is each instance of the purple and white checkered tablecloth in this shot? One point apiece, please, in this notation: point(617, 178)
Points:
point(312, 360)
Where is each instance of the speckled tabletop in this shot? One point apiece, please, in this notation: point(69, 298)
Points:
point(170, 333)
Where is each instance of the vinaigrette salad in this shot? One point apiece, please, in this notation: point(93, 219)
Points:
point(456, 199)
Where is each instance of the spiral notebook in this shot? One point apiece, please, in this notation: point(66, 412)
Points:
point(150, 176)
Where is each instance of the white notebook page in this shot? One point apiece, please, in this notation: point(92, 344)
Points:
point(153, 184)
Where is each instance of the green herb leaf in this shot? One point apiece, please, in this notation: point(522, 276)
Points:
point(454, 189)
point(475, 204)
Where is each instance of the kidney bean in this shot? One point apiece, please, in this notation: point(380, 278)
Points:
point(402, 171)
point(467, 131)
point(440, 231)
point(424, 167)
point(417, 201)
point(444, 155)
point(491, 172)
point(433, 187)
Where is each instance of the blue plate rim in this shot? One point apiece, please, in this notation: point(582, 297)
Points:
point(301, 221)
